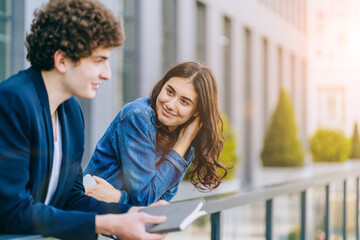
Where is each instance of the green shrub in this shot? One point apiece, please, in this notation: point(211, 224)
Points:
point(228, 156)
point(329, 146)
point(294, 234)
point(281, 146)
point(355, 143)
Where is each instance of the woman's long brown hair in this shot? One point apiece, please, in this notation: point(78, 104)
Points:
point(208, 143)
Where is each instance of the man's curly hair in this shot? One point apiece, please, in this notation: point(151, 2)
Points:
point(76, 27)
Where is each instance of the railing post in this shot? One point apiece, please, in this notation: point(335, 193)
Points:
point(268, 234)
point(357, 209)
point(215, 226)
point(344, 211)
point(303, 216)
point(327, 206)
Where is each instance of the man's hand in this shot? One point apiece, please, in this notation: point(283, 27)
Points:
point(128, 226)
point(103, 191)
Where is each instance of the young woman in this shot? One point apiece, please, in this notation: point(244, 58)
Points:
point(150, 144)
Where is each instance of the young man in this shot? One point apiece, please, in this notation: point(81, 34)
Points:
point(42, 128)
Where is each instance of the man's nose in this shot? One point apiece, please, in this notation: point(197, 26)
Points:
point(106, 71)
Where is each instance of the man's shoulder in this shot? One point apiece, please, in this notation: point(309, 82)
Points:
point(19, 83)
point(18, 86)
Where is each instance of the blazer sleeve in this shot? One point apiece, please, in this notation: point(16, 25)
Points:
point(19, 212)
point(79, 201)
point(145, 182)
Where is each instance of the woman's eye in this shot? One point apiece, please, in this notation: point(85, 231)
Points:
point(170, 92)
point(184, 102)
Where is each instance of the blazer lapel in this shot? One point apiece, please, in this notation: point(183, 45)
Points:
point(44, 100)
point(65, 155)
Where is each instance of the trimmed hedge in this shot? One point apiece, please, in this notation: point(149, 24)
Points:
point(355, 144)
point(329, 146)
point(281, 147)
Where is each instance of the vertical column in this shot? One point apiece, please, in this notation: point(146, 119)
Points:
point(357, 209)
point(268, 219)
point(327, 206)
point(303, 216)
point(344, 211)
point(215, 226)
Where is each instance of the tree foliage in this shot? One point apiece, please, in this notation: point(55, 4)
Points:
point(355, 144)
point(281, 147)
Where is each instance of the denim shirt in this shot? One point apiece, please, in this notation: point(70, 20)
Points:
point(126, 157)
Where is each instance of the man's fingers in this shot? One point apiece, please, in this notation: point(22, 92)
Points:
point(155, 236)
point(99, 179)
point(159, 203)
point(153, 219)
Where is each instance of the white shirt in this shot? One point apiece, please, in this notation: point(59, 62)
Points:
point(54, 177)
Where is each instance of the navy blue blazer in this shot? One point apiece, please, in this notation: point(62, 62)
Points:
point(26, 152)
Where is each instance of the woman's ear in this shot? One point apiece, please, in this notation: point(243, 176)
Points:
point(60, 61)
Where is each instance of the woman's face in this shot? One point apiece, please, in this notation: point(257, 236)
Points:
point(176, 102)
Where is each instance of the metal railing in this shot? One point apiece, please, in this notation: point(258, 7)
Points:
point(215, 205)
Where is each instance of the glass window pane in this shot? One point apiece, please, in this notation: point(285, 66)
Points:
point(5, 33)
point(198, 230)
point(200, 32)
point(245, 222)
point(351, 209)
point(169, 34)
point(315, 213)
point(336, 211)
point(286, 217)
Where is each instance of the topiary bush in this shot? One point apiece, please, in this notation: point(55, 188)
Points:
point(228, 156)
point(329, 146)
point(355, 144)
point(281, 146)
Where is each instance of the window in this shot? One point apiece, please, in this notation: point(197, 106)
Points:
point(200, 32)
point(265, 77)
point(292, 78)
point(131, 67)
point(227, 66)
point(280, 67)
point(248, 118)
point(169, 34)
point(5, 33)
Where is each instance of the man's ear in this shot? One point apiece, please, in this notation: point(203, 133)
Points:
point(60, 62)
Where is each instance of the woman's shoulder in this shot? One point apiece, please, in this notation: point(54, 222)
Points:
point(140, 106)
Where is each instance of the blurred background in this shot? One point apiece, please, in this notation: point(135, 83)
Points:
point(288, 76)
point(310, 49)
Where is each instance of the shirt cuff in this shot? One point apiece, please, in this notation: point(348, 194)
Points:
point(124, 197)
point(178, 161)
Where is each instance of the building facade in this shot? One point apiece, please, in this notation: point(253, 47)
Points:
point(254, 48)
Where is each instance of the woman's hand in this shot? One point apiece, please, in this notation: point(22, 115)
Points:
point(158, 203)
point(187, 135)
point(103, 191)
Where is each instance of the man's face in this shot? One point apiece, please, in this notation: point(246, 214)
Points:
point(83, 78)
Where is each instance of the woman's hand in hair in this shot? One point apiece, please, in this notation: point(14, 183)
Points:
point(187, 135)
point(103, 191)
